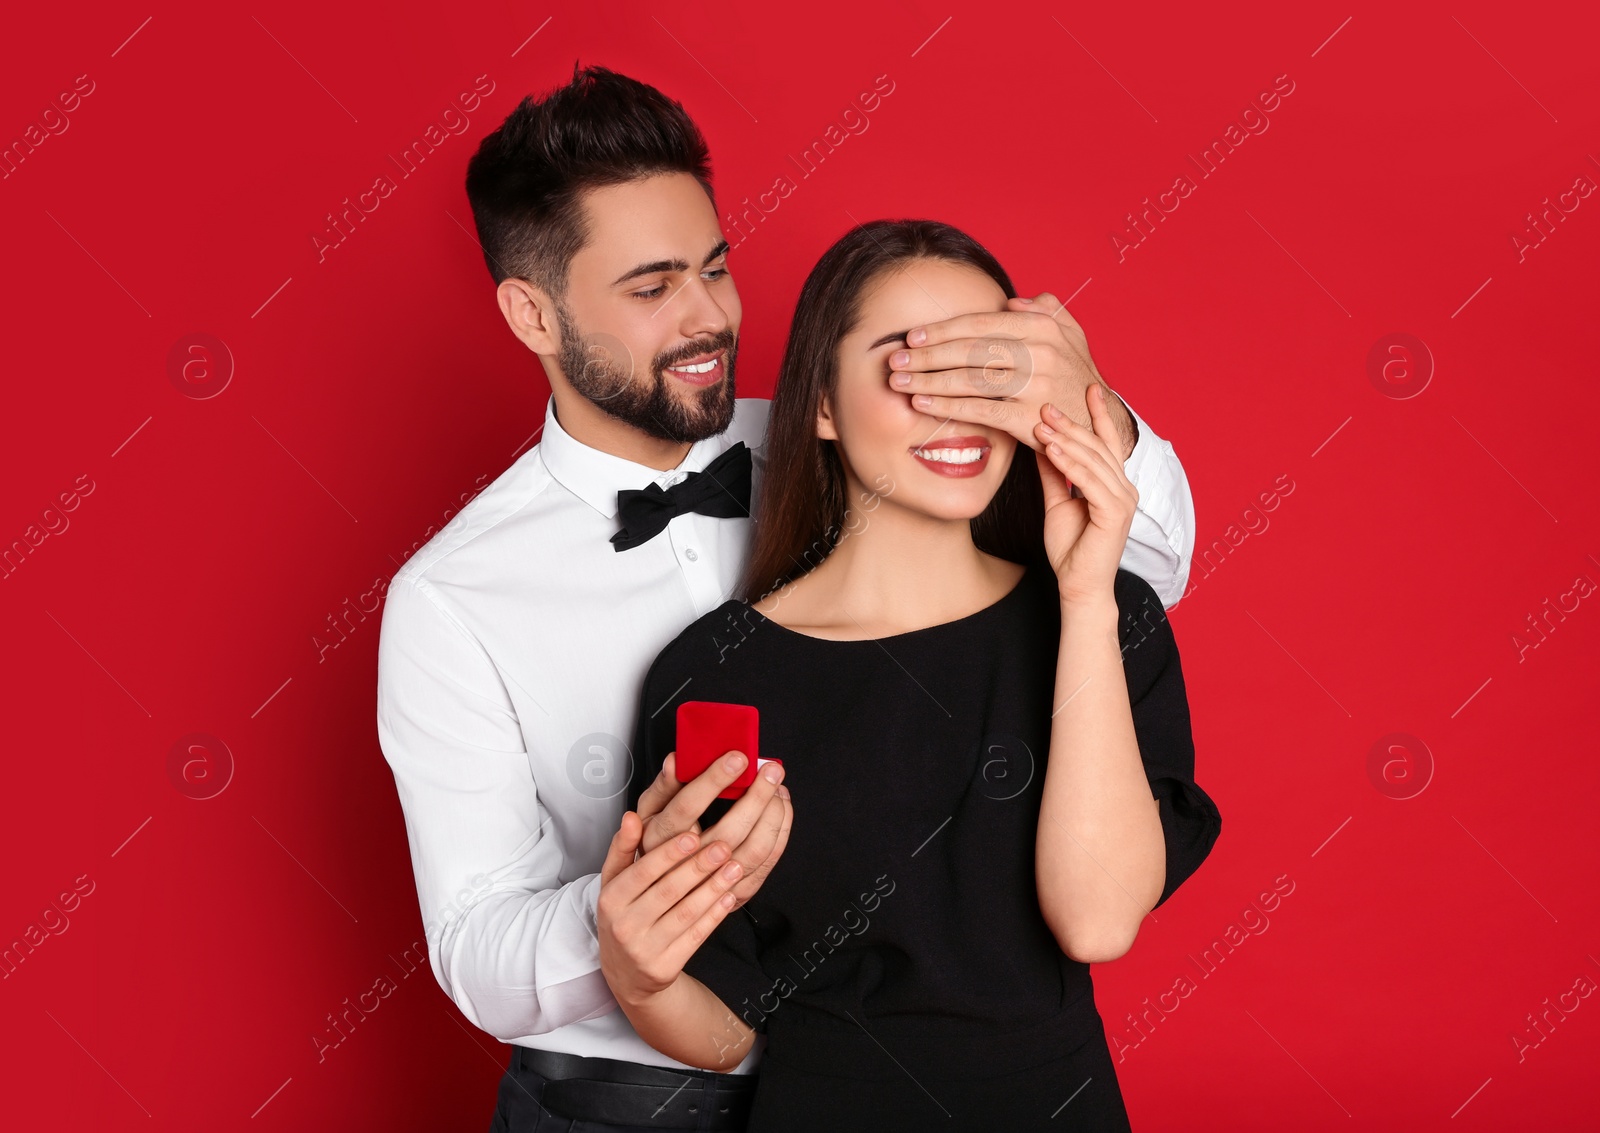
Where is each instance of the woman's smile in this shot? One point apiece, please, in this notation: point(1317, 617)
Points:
point(954, 456)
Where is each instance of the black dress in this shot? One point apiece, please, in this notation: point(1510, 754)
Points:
point(896, 958)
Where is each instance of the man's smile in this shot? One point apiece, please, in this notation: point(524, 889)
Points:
point(701, 370)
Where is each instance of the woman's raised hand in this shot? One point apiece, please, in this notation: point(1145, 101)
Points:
point(1084, 538)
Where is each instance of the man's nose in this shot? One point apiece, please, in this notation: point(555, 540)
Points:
point(700, 314)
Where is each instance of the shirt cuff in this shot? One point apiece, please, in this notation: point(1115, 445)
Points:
point(1165, 510)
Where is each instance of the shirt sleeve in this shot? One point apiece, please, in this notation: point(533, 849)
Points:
point(729, 961)
point(1190, 821)
point(510, 943)
point(1160, 543)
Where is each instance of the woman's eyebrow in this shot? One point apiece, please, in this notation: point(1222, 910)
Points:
point(890, 337)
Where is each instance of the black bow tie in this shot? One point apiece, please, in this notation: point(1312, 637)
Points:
point(722, 490)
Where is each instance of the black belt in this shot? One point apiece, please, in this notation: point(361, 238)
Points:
point(631, 1093)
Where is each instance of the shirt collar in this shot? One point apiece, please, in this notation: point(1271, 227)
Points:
point(596, 477)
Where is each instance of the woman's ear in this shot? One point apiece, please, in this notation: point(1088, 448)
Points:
point(825, 429)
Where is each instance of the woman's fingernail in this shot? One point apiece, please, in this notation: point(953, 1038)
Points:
point(772, 772)
point(922, 401)
point(717, 853)
point(1053, 411)
point(901, 380)
point(1046, 429)
point(734, 761)
point(686, 843)
point(899, 358)
point(917, 337)
point(730, 872)
point(1024, 300)
point(783, 792)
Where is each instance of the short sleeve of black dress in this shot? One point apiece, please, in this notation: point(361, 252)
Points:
point(729, 961)
point(1190, 821)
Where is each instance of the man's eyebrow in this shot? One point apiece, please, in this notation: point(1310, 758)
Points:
point(890, 337)
point(669, 265)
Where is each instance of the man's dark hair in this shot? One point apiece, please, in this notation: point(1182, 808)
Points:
point(527, 180)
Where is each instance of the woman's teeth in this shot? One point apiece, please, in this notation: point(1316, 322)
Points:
point(949, 455)
point(698, 368)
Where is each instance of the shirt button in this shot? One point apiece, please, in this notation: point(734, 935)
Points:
point(689, 553)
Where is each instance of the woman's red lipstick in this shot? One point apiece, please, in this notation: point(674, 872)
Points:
point(954, 456)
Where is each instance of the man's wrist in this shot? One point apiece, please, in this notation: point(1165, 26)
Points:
point(1127, 426)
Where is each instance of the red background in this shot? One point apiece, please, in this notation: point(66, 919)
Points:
point(372, 390)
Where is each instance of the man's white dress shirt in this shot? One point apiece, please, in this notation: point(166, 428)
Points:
point(512, 651)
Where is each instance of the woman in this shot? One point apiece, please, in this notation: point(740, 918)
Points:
point(983, 727)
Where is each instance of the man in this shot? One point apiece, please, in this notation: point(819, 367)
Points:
point(514, 644)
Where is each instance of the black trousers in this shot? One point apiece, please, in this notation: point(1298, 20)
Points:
point(520, 1105)
point(1073, 1092)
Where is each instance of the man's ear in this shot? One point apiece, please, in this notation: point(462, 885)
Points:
point(531, 314)
point(825, 429)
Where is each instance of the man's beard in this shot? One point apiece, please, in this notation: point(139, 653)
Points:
point(590, 364)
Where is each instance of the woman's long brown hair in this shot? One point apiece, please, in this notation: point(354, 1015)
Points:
point(802, 504)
